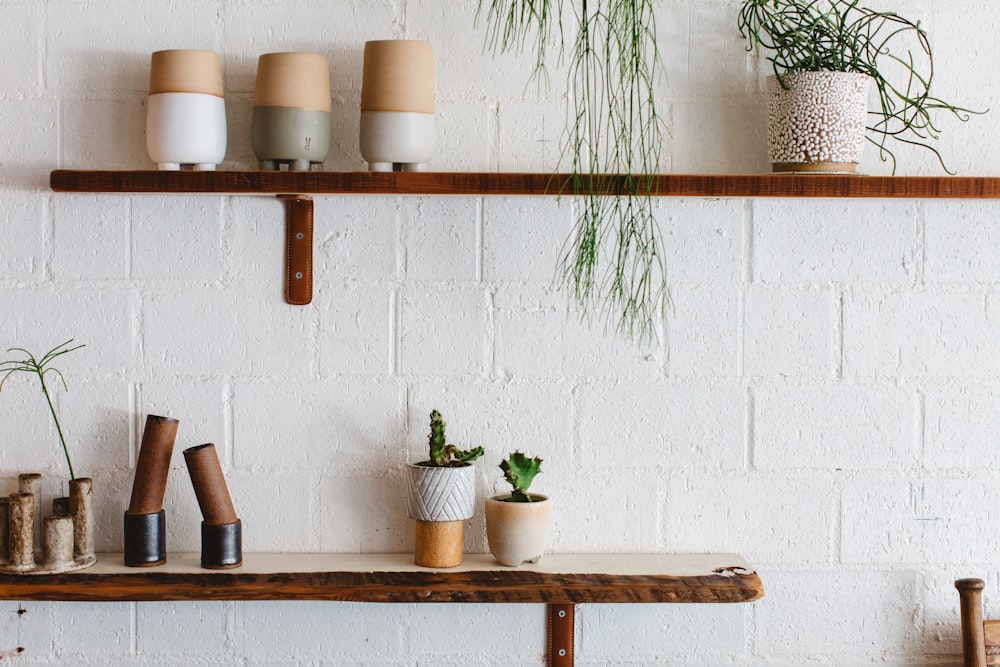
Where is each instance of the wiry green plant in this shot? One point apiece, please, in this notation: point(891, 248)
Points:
point(843, 36)
point(40, 368)
point(612, 146)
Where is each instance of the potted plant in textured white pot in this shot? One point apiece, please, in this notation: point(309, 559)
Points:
point(441, 496)
point(826, 54)
point(517, 524)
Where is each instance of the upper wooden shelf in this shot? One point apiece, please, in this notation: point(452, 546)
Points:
point(556, 579)
point(511, 184)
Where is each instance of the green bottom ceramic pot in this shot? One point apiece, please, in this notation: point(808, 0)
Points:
point(299, 138)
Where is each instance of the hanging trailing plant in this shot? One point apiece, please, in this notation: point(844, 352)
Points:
point(612, 264)
point(844, 36)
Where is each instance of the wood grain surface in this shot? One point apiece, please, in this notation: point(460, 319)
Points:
point(512, 184)
point(557, 579)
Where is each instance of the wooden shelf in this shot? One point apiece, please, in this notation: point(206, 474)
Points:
point(556, 579)
point(512, 184)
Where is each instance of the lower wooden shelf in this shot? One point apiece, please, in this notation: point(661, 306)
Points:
point(556, 579)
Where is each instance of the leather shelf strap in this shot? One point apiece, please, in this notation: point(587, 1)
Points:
point(561, 635)
point(298, 249)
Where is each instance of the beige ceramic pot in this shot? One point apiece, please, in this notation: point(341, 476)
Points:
point(818, 122)
point(440, 500)
point(397, 105)
point(186, 112)
point(291, 110)
point(517, 532)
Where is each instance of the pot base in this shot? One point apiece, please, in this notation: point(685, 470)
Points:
point(438, 544)
point(814, 167)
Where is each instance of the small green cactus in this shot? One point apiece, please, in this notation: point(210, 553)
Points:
point(442, 453)
point(519, 471)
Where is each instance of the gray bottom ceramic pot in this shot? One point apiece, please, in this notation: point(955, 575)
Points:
point(286, 135)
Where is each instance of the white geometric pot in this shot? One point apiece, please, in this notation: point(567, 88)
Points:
point(441, 494)
point(517, 532)
point(186, 128)
point(818, 122)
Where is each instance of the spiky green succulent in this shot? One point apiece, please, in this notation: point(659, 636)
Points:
point(519, 470)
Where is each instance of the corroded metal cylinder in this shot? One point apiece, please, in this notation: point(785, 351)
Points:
point(57, 549)
point(210, 485)
point(31, 482)
point(153, 465)
point(22, 530)
point(81, 509)
point(4, 530)
point(60, 505)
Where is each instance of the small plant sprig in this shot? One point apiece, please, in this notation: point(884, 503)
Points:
point(520, 471)
point(40, 368)
point(441, 453)
point(843, 36)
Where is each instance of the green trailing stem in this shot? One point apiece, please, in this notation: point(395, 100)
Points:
point(40, 368)
point(844, 36)
point(441, 453)
point(519, 470)
point(612, 263)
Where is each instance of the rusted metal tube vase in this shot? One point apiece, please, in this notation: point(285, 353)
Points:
point(221, 530)
point(145, 519)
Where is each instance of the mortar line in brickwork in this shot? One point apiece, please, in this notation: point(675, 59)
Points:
point(838, 334)
point(920, 427)
point(748, 430)
point(748, 230)
point(479, 240)
point(395, 342)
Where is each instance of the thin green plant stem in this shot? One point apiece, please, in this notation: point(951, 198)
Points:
point(40, 368)
point(611, 263)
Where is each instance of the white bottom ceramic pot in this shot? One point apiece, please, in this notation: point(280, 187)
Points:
point(818, 122)
point(517, 532)
point(186, 129)
point(390, 138)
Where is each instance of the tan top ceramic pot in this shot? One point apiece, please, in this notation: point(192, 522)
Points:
point(186, 71)
point(296, 80)
point(398, 76)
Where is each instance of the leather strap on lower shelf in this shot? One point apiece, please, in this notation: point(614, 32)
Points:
point(561, 635)
point(298, 249)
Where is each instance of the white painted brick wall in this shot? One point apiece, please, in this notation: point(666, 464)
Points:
point(821, 398)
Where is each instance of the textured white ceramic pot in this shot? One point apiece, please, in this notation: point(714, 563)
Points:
point(186, 128)
point(397, 137)
point(818, 122)
point(441, 494)
point(517, 532)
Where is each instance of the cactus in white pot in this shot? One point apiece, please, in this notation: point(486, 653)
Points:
point(517, 524)
point(441, 496)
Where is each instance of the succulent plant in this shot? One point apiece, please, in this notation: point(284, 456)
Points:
point(441, 453)
point(519, 470)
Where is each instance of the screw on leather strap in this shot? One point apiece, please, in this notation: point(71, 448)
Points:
point(298, 249)
point(561, 635)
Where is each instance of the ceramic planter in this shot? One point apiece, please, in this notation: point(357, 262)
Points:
point(517, 532)
point(397, 105)
point(66, 539)
point(186, 112)
point(818, 123)
point(440, 500)
point(291, 111)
